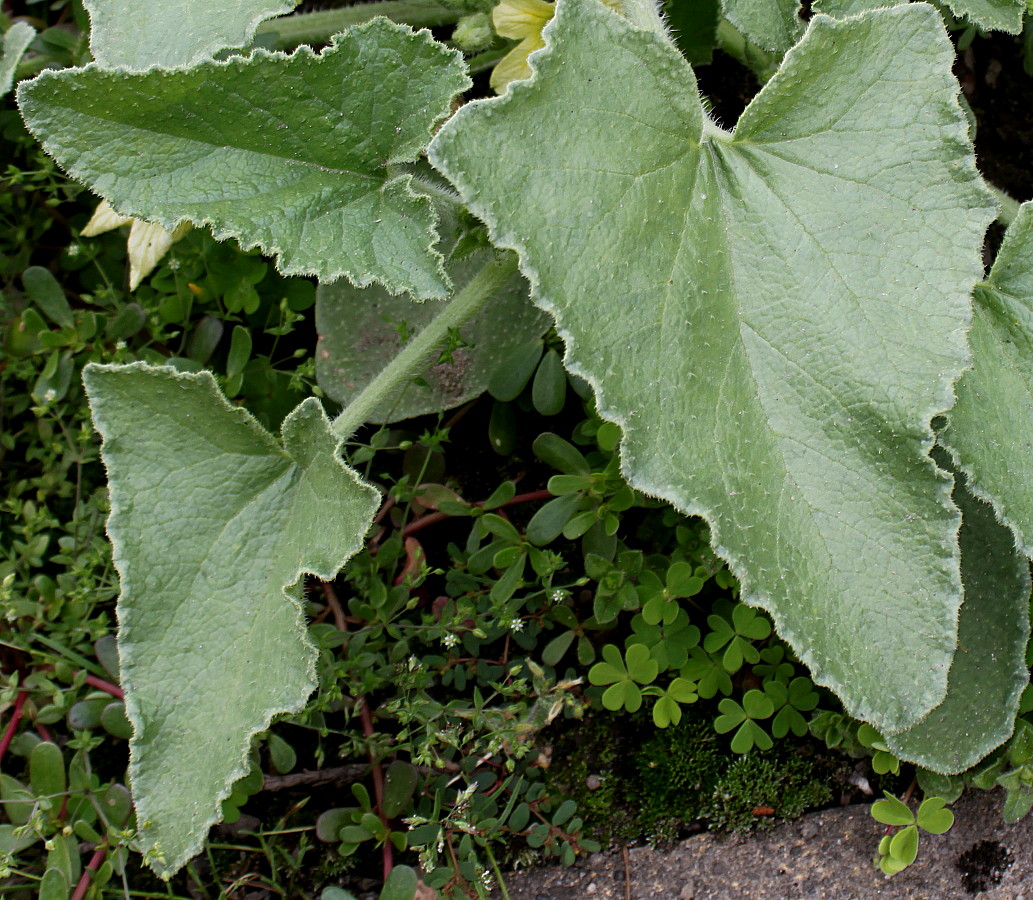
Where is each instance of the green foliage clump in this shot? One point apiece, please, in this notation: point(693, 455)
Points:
point(761, 789)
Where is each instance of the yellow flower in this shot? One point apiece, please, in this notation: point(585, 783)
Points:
point(522, 20)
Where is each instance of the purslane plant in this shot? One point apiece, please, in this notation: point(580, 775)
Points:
point(774, 316)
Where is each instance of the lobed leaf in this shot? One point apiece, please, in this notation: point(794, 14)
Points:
point(213, 522)
point(990, 15)
point(990, 430)
point(989, 671)
point(293, 154)
point(773, 316)
point(770, 24)
point(173, 32)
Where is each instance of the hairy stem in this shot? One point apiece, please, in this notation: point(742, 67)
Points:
point(414, 356)
point(317, 27)
point(1009, 206)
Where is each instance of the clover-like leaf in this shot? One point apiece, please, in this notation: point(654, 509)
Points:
point(295, 154)
point(892, 811)
point(989, 428)
point(903, 849)
point(173, 32)
point(989, 671)
point(213, 522)
point(709, 674)
point(782, 314)
point(933, 817)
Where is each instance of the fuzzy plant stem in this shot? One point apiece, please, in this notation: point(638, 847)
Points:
point(1009, 206)
point(414, 355)
point(317, 27)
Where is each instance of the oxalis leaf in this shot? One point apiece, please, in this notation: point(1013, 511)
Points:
point(173, 32)
point(211, 519)
point(989, 672)
point(990, 429)
point(773, 316)
point(293, 154)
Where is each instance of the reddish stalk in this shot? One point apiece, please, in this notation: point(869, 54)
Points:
point(107, 686)
point(12, 726)
point(334, 603)
point(42, 731)
point(378, 780)
point(87, 876)
point(434, 518)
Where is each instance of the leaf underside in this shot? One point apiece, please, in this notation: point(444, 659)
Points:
point(772, 316)
point(176, 32)
point(292, 154)
point(213, 523)
point(360, 332)
point(990, 429)
point(989, 670)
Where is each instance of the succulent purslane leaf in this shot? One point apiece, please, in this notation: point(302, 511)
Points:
point(773, 316)
point(990, 429)
point(294, 154)
point(176, 32)
point(989, 670)
point(214, 522)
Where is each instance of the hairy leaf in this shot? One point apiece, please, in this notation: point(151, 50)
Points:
point(173, 32)
point(212, 519)
point(361, 330)
point(16, 41)
point(770, 24)
point(991, 15)
point(293, 154)
point(773, 316)
point(989, 672)
point(990, 429)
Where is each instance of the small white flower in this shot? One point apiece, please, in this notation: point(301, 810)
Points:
point(558, 595)
point(120, 345)
point(174, 264)
point(450, 640)
point(74, 250)
point(516, 625)
point(50, 395)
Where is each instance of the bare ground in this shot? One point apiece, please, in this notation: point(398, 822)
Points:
point(823, 856)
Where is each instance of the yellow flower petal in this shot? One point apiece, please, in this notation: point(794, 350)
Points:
point(104, 219)
point(514, 66)
point(522, 18)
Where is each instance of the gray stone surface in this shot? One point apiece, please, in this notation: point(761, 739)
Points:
point(823, 856)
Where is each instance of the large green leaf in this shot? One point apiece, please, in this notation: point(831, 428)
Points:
point(770, 24)
point(773, 316)
point(173, 32)
point(995, 15)
point(990, 429)
point(989, 670)
point(211, 519)
point(362, 329)
point(294, 154)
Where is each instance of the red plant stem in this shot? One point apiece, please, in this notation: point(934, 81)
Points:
point(87, 876)
point(12, 726)
point(378, 781)
point(107, 686)
point(42, 731)
point(434, 518)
